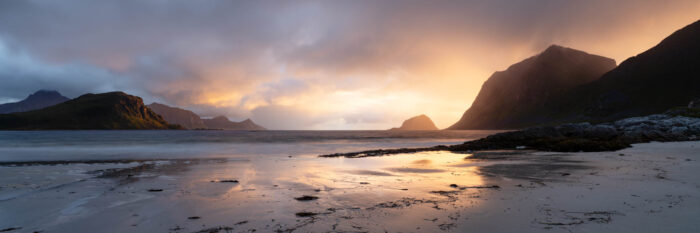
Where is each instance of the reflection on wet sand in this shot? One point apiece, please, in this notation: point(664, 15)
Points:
point(522, 165)
point(268, 194)
point(422, 192)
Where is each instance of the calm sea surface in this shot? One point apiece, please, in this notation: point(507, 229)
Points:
point(146, 144)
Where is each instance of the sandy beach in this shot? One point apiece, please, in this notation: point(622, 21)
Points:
point(650, 187)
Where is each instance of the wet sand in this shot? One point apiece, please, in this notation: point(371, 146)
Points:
point(651, 187)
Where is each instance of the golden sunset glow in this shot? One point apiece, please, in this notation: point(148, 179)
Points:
point(349, 116)
point(337, 65)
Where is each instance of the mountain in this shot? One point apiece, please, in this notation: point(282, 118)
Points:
point(113, 110)
point(191, 120)
point(38, 100)
point(663, 77)
point(173, 115)
point(421, 122)
point(522, 95)
point(221, 122)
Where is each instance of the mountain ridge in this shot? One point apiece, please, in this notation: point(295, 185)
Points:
point(191, 120)
point(112, 110)
point(513, 98)
point(662, 77)
point(222, 122)
point(175, 115)
point(37, 100)
point(666, 75)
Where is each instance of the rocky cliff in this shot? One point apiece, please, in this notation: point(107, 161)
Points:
point(521, 95)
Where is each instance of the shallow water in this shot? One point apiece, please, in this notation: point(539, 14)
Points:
point(353, 194)
point(146, 144)
point(271, 167)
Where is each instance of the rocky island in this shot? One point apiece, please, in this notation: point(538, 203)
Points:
point(421, 122)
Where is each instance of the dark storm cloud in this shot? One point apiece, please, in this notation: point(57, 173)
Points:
point(154, 43)
point(21, 74)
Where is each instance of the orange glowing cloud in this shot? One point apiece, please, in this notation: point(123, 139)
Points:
point(311, 64)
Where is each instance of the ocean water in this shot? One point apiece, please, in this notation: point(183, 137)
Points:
point(171, 144)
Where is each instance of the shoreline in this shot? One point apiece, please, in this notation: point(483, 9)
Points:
point(649, 187)
point(572, 137)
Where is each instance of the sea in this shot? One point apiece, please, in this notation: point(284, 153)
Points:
point(60, 145)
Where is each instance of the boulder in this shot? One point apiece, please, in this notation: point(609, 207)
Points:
point(679, 130)
point(573, 129)
point(694, 104)
point(603, 132)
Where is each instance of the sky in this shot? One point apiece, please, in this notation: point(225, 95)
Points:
point(309, 64)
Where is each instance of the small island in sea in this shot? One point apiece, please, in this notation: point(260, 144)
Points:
point(421, 122)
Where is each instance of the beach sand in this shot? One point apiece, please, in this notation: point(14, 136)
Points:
point(651, 187)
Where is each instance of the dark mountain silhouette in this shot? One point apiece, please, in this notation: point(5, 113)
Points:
point(221, 122)
point(522, 94)
point(191, 120)
point(173, 115)
point(38, 100)
point(113, 110)
point(663, 77)
point(421, 122)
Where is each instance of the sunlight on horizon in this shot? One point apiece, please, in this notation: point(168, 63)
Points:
point(318, 65)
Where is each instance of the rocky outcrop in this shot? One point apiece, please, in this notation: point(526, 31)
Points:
point(518, 96)
point(674, 125)
point(421, 122)
point(659, 127)
point(593, 137)
point(113, 110)
point(183, 117)
point(222, 122)
point(38, 100)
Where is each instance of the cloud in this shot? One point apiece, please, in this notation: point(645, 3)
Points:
point(342, 64)
point(285, 117)
point(22, 74)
